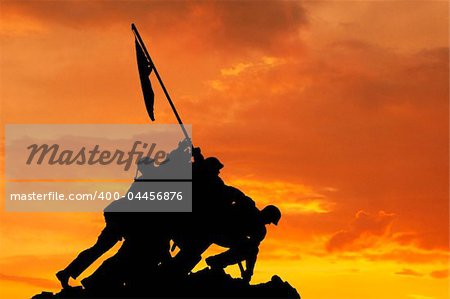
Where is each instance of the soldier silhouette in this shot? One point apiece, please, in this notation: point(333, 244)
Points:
point(193, 232)
point(176, 165)
point(142, 251)
point(208, 187)
point(215, 204)
point(206, 171)
point(242, 237)
point(145, 252)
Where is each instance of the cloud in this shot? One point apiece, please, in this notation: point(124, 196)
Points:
point(289, 197)
point(265, 63)
point(440, 273)
point(408, 272)
point(417, 296)
point(33, 281)
point(235, 70)
point(224, 25)
point(363, 232)
point(372, 237)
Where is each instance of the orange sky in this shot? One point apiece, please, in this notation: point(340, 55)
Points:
point(335, 111)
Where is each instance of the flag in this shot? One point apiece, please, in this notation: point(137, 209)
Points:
point(144, 72)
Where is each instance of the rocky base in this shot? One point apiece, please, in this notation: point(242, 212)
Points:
point(202, 284)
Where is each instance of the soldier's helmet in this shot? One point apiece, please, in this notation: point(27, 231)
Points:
point(213, 163)
point(271, 214)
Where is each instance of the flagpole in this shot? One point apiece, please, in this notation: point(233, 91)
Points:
point(141, 42)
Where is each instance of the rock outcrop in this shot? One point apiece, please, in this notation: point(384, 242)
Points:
point(205, 283)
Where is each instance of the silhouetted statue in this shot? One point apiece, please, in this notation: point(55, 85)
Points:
point(243, 236)
point(221, 214)
point(143, 266)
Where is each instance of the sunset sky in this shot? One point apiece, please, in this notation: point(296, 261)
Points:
point(336, 111)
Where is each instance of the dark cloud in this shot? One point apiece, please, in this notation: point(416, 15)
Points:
point(361, 229)
point(440, 273)
point(214, 26)
point(408, 272)
point(258, 24)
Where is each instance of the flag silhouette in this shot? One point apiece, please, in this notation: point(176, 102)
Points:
point(144, 72)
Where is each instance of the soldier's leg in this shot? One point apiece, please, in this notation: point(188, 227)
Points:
point(108, 278)
point(250, 261)
point(224, 259)
point(188, 257)
point(233, 256)
point(105, 241)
